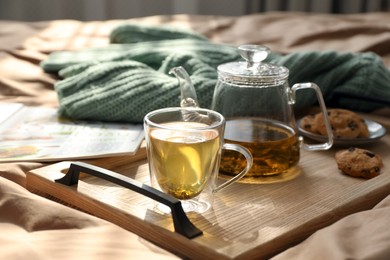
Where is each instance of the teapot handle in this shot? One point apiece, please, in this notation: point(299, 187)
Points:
point(329, 143)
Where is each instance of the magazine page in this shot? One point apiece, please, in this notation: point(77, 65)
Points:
point(38, 134)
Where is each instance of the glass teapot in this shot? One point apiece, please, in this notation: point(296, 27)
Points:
point(257, 103)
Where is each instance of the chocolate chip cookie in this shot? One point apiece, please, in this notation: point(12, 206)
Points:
point(344, 123)
point(358, 162)
point(308, 123)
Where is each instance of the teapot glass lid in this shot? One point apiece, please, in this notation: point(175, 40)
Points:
point(253, 69)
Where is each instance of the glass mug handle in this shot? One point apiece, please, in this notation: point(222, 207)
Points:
point(329, 143)
point(249, 162)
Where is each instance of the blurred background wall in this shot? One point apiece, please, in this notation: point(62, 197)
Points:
point(86, 10)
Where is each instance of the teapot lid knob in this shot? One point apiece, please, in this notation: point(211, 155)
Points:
point(254, 54)
point(254, 70)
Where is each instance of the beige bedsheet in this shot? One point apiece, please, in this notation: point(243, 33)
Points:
point(38, 228)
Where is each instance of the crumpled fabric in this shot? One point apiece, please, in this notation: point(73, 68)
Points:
point(124, 81)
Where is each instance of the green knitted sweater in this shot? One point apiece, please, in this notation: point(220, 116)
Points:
point(124, 81)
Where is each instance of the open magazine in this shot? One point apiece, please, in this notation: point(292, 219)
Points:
point(38, 134)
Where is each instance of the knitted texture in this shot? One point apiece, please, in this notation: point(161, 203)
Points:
point(347, 80)
point(132, 33)
point(138, 81)
point(123, 82)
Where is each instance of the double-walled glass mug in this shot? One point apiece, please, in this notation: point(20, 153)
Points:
point(184, 146)
point(257, 102)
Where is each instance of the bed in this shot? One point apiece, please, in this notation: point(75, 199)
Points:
point(39, 228)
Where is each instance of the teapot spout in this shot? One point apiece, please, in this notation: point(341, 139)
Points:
point(187, 90)
point(188, 96)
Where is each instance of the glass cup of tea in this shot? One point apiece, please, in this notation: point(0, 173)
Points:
point(184, 147)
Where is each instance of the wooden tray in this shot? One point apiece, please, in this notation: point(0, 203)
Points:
point(248, 220)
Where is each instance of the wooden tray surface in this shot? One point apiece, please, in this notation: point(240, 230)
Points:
point(248, 220)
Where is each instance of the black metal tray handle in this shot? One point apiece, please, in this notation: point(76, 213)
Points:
point(181, 222)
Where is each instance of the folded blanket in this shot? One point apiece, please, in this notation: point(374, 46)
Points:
point(123, 82)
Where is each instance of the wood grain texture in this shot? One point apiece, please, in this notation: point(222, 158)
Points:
point(248, 220)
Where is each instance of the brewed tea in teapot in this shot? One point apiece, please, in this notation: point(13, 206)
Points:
point(255, 98)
